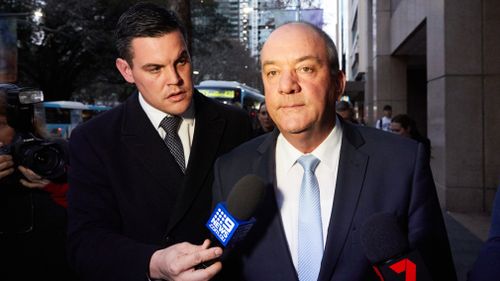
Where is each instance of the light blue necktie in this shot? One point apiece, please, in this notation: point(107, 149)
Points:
point(310, 229)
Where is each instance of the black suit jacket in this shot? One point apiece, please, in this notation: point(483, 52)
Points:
point(378, 172)
point(127, 196)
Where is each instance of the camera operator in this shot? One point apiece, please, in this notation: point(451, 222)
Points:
point(32, 215)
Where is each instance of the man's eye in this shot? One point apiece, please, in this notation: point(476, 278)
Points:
point(182, 61)
point(154, 69)
point(306, 69)
point(271, 73)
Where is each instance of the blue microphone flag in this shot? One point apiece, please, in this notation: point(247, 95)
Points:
point(225, 227)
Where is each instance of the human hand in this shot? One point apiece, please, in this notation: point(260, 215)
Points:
point(6, 164)
point(32, 179)
point(178, 262)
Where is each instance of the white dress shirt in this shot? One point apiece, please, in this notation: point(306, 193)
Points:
point(186, 129)
point(289, 178)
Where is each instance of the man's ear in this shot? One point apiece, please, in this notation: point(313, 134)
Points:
point(339, 83)
point(125, 70)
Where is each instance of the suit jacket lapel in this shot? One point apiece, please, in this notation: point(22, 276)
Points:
point(351, 173)
point(208, 132)
point(144, 142)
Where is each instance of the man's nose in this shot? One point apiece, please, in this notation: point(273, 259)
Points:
point(288, 83)
point(173, 77)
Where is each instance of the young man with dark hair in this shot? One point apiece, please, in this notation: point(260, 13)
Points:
point(141, 173)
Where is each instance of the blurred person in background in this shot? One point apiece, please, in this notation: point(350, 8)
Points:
point(32, 216)
point(266, 124)
point(405, 126)
point(345, 110)
point(384, 122)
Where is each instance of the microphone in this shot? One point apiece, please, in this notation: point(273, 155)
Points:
point(231, 221)
point(387, 248)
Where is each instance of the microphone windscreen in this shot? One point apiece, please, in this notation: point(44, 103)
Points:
point(245, 197)
point(382, 238)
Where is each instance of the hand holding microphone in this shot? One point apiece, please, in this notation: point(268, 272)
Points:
point(387, 248)
point(230, 222)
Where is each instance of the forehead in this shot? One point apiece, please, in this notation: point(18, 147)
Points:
point(164, 44)
point(294, 40)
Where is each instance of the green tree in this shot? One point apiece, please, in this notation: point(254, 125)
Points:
point(71, 48)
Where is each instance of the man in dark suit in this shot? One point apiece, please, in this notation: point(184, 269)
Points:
point(140, 192)
point(357, 171)
point(487, 264)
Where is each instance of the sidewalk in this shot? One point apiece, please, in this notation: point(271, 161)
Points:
point(466, 232)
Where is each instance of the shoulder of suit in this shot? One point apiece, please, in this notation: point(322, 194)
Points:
point(247, 149)
point(104, 121)
point(383, 140)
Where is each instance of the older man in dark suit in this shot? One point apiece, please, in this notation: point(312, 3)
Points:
point(325, 176)
point(141, 173)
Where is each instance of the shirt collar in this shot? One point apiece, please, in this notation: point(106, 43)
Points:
point(156, 115)
point(325, 152)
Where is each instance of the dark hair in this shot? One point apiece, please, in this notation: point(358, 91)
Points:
point(388, 108)
point(407, 123)
point(144, 20)
point(3, 103)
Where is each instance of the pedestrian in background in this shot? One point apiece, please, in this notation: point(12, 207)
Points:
point(404, 125)
point(266, 124)
point(346, 111)
point(142, 172)
point(384, 122)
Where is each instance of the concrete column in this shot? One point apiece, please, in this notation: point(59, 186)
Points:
point(491, 88)
point(462, 91)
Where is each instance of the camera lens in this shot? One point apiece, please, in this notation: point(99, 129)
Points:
point(47, 159)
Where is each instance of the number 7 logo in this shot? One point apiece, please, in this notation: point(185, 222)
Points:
point(405, 265)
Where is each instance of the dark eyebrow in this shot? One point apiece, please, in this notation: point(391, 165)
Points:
point(151, 65)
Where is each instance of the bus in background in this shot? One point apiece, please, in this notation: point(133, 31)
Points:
point(61, 117)
point(232, 92)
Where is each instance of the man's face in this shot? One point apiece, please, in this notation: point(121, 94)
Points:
point(6, 132)
point(300, 92)
point(161, 70)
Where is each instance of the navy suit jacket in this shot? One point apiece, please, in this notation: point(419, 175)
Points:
point(378, 172)
point(128, 197)
point(487, 265)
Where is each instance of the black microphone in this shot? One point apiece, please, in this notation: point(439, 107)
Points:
point(387, 248)
point(230, 222)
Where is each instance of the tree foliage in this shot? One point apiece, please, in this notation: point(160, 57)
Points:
point(70, 54)
point(71, 48)
point(215, 54)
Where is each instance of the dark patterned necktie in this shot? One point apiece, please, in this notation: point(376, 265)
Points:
point(171, 125)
